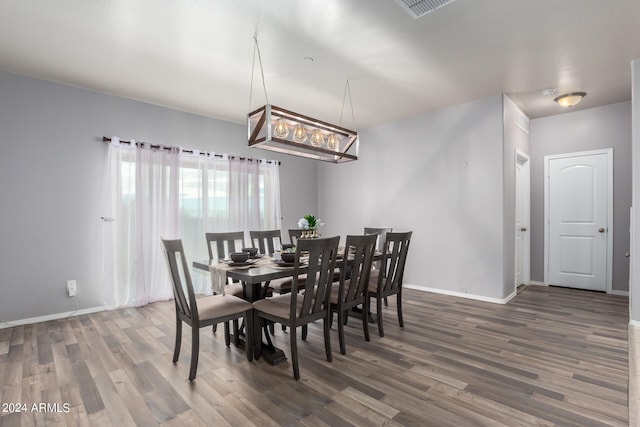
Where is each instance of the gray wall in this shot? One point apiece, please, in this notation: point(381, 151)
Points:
point(52, 170)
point(514, 139)
point(634, 291)
point(440, 175)
point(592, 129)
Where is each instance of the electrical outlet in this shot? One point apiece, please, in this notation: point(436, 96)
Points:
point(71, 288)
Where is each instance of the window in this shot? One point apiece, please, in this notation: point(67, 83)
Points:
point(159, 193)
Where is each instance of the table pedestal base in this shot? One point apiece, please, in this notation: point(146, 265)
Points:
point(273, 355)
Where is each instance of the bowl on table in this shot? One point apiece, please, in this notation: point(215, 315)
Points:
point(239, 256)
point(288, 257)
point(252, 251)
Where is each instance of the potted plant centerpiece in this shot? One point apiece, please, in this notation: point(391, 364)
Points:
point(309, 224)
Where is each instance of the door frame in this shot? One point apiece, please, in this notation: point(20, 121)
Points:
point(609, 260)
point(526, 255)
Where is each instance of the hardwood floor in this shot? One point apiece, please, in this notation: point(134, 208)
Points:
point(551, 356)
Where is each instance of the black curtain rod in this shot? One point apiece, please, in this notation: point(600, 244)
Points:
point(164, 147)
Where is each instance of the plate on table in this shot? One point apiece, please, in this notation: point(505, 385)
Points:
point(281, 263)
point(232, 263)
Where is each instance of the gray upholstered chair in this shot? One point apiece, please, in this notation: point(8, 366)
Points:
point(388, 280)
point(202, 312)
point(350, 291)
point(297, 309)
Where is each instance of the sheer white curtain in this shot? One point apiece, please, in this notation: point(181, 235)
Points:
point(157, 183)
point(154, 193)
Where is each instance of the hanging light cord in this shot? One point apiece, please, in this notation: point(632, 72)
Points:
point(256, 49)
point(347, 90)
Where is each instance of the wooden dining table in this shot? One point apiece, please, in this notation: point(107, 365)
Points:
point(255, 279)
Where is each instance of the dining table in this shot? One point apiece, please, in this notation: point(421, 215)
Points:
point(255, 278)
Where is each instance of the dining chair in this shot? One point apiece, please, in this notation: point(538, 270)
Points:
point(224, 244)
point(381, 234)
point(301, 308)
point(267, 241)
point(220, 245)
point(294, 235)
point(388, 281)
point(350, 291)
point(201, 312)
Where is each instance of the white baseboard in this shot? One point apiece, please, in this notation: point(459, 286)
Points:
point(460, 294)
point(533, 282)
point(634, 323)
point(617, 292)
point(49, 317)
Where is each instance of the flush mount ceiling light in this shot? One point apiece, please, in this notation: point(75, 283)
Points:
point(276, 129)
point(570, 99)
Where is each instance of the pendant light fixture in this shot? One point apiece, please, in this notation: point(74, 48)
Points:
point(284, 131)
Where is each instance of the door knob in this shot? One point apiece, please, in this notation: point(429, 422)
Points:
point(523, 228)
point(600, 230)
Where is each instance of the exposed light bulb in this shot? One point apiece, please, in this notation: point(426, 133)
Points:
point(333, 143)
point(281, 130)
point(317, 139)
point(299, 134)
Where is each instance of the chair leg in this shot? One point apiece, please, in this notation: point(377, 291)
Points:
point(195, 350)
point(365, 319)
point(327, 339)
point(176, 349)
point(215, 328)
point(379, 314)
point(341, 323)
point(248, 342)
point(305, 331)
point(236, 332)
point(386, 303)
point(257, 335)
point(399, 303)
point(227, 336)
point(294, 354)
point(272, 329)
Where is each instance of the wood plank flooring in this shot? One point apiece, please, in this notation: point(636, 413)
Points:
point(551, 356)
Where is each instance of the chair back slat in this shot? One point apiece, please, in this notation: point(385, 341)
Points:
point(180, 278)
point(267, 241)
point(317, 286)
point(394, 257)
point(358, 255)
point(225, 243)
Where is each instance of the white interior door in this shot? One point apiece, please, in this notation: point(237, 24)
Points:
point(522, 220)
point(578, 208)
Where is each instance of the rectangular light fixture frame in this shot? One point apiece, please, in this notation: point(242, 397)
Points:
point(261, 123)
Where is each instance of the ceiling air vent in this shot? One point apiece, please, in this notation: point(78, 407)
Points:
point(418, 8)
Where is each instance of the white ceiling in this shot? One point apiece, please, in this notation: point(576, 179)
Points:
point(196, 55)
